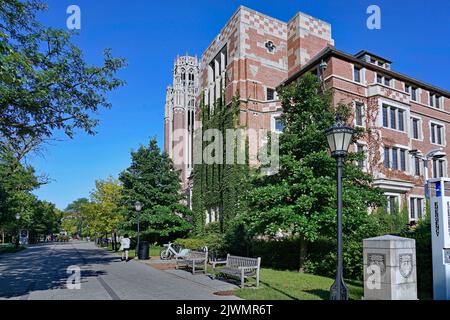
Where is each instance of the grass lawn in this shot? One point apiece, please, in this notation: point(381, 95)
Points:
point(154, 251)
point(289, 285)
point(10, 248)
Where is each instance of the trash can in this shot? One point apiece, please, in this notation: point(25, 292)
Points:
point(143, 250)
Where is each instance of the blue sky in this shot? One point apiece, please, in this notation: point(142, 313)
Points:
point(415, 35)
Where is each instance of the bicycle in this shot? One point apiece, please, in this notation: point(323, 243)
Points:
point(171, 252)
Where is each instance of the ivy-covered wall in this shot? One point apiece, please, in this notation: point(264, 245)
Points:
point(219, 185)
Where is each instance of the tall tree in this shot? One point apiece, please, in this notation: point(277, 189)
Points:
point(45, 82)
point(16, 183)
point(300, 199)
point(44, 220)
point(105, 202)
point(74, 217)
point(152, 180)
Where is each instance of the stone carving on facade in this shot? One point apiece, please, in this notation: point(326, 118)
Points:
point(406, 264)
point(377, 259)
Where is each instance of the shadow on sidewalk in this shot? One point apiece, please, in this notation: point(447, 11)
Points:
point(41, 267)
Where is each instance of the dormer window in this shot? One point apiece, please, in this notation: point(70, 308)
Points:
point(374, 59)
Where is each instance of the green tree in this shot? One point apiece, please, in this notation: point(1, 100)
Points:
point(300, 199)
point(105, 204)
point(74, 217)
point(152, 180)
point(45, 82)
point(98, 216)
point(45, 219)
point(16, 183)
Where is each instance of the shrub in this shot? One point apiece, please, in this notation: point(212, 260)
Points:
point(424, 262)
point(61, 238)
point(391, 223)
point(213, 241)
point(191, 243)
point(237, 240)
point(321, 258)
point(281, 254)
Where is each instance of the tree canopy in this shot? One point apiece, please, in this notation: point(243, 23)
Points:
point(152, 180)
point(17, 182)
point(45, 82)
point(300, 200)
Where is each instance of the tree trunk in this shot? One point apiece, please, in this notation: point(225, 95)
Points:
point(303, 252)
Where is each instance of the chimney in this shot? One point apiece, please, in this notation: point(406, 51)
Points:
point(307, 36)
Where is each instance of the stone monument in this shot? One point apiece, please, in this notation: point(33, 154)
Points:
point(390, 268)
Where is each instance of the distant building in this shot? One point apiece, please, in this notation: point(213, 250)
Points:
point(254, 54)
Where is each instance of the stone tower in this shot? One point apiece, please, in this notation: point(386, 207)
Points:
point(180, 114)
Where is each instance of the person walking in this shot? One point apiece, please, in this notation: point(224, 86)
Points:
point(125, 247)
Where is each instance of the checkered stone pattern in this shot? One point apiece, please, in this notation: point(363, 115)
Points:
point(255, 31)
point(265, 25)
point(395, 95)
point(236, 33)
point(307, 36)
point(316, 27)
point(227, 36)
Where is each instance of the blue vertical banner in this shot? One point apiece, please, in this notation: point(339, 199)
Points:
point(438, 189)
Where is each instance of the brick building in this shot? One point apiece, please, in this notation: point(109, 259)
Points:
point(254, 54)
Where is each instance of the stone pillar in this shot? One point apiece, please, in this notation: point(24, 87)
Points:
point(390, 268)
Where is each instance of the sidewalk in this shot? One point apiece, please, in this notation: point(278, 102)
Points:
point(202, 279)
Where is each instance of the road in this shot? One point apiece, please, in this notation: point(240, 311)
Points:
point(40, 273)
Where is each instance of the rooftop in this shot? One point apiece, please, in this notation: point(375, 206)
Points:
point(332, 51)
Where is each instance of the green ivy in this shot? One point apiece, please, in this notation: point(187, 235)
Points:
point(219, 185)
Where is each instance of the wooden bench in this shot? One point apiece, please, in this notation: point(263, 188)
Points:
point(195, 260)
point(240, 267)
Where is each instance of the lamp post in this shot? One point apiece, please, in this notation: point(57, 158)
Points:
point(138, 207)
point(432, 155)
point(339, 137)
point(18, 229)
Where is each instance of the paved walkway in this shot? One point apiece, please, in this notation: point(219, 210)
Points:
point(40, 272)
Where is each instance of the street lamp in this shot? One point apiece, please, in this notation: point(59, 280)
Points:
point(432, 155)
point(339, 138)
point(18, 229)
point(138, 207)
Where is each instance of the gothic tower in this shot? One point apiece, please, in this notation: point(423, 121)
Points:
point(180, 115)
